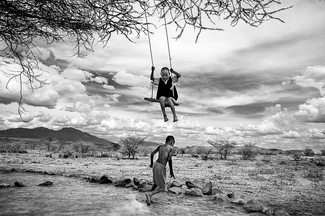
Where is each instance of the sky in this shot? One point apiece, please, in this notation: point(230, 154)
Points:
point(262, 85)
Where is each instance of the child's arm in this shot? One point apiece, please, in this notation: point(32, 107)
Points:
point(176, 73)
point(170, 163)
point(151, 156)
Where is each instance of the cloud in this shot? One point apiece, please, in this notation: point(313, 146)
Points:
point(291, 134)
point(312, 111)
point(314, 77)
point(125, 78)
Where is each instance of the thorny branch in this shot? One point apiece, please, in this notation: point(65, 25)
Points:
point(23, 23)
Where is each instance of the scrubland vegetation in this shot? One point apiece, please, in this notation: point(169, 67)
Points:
point(292, 180)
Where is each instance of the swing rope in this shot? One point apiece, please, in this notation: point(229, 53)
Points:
point(167, 38)
point(151, 55)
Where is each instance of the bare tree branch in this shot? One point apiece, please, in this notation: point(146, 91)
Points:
point(23, 23)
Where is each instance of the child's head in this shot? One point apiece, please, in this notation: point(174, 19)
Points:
point(164, 73)
point(170, 140)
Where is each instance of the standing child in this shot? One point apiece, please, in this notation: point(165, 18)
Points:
point(166, 89)
point(159, 167)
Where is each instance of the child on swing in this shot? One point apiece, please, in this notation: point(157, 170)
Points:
point(166, 93)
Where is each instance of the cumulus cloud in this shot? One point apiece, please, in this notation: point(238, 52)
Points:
point(125, 78)
point(313, 110)
point(314, 76)
point(291, 134)
point(109, 87)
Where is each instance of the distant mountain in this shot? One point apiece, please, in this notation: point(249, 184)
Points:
point(65, 134)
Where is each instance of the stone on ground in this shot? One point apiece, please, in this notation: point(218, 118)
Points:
point(19, 184)
point(207, 189)
point(122, 182)
point(176, 184)
point(253, 206)
point(194, 192)
point(46, 183)
point(190, 185)
point(3, 185)
point(105, 180)
point(281, 212)
point(216, 191)
point(176, 190)
point(220, 198)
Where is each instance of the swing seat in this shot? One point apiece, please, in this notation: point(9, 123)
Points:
point(156, 100)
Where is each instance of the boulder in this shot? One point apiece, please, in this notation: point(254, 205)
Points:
point(280, 212)
point(267, 211)
point(238, 201)
point(19, 184)
point(190, 185)
point(46, 183)
point(207, 189)
point(253, 206)
point(145, 188)
point(105, 180)
point(176, 190)
point(131, 184)
point(142, 183)
point(231, 195)
point(194, 192)
point(122, 182)
point(3, 185)
point(220, 197)
point(136, 181)
point(89, 179)
point(216, 191)
point(176, 184)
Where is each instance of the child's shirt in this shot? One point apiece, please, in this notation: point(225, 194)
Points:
point(166, 88)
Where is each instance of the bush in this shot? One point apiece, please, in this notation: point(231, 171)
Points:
point(308, 152)
point(314, 174)
point(296, 156)
point(248, 152)
point(322, 152)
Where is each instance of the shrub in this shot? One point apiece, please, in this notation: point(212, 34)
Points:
point(130, 145)
point(322, 152)
point(296, 156)
point(248, 152)
point(308, 152)
point(314, 174)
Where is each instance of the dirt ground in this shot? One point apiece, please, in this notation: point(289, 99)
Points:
point(275, 181)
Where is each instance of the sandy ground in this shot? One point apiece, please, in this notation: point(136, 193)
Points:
point(277, 181)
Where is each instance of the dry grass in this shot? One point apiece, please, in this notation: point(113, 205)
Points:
point(276, 181)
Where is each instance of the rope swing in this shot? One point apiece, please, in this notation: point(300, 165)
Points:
point(152, 99)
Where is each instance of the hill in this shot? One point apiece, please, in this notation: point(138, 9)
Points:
point(65, 134)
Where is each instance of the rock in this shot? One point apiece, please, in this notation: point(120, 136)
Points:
point(19, 184)
point(176, 184)
point(220, 197)
point(105, 180)
point(231, 195)
point(280, 212)
point(238, 201)
point(92, 179)
point(142, 183)
point(190, 185)
point(216, 191)
point(145, 188)
point(267, 211)
point(253, 206)
point(207, 189)
point(46, 183)
point(210, 166)
point(176, 190)
point(135, 181)
point(3, 185)
point(131, 184)
point(194, 192)
point(184, 187)
point(122, 183)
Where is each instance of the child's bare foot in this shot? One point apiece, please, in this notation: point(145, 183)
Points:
point(175, 119)
point(148, 199)
point(165, 118)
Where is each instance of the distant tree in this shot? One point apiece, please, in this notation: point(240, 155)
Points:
point(248, 151)
point(308, 152)
point(83, 147)
point(205, 151)
point(130, 145)
point(84, 22)
point(223, 146)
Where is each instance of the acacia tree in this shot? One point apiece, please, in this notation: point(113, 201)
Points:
point(23, 23)
point(130, 145)
point(223, 146)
